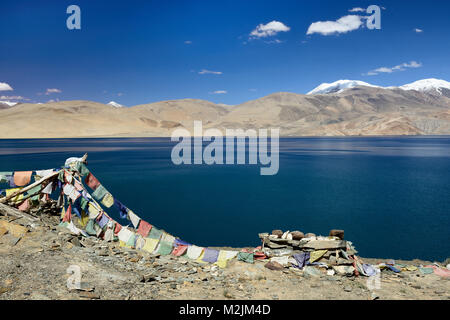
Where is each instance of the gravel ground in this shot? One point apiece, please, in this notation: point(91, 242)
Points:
point(34, 265)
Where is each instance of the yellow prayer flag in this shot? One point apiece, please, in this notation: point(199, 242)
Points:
point(316, 255)
point(150, 244)
point(108, 200)
point(13, 190)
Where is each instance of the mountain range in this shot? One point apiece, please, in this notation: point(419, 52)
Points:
point(341, 108)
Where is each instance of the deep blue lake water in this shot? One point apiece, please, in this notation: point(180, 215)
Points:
point(391, 195)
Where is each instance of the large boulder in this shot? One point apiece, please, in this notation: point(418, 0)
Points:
point(337, 233)
point(273, 265)
point(297, 235)
point(277, 233)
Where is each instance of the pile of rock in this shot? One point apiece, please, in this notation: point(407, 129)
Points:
point(332, 253)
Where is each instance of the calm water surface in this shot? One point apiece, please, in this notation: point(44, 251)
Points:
point(391, 195)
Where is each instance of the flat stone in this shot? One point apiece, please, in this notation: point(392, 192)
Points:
point(277, 252)
point(89, 295)
point(348, 289)
point(14, 240)
point(274, 245)
point(294, 243)
point(273, 265)
point(75, 241)
point(374, 296)
point(13, 228)
point(86, 242)
point(325, 244)
point(3, 231)
point(312, 271)
point(332, 261)
point(84, 286)
point(344, 270)
point(3, 290)
point(341, 261)
point(280, 240)
point(102, 253)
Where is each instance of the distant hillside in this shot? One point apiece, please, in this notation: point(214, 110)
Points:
point(417, 109)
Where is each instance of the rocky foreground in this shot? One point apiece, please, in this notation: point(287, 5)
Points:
point(36, 259)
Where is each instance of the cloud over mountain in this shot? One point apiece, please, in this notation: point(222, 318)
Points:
point(400, 67)
point(50, 91)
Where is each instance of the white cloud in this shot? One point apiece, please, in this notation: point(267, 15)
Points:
point(188, 42)
point(400, 67)
point(342, 25)
point(357, 10)
point(5, 87)
point(50, 91)
point(418, 30)
point(273, 41)
point(270, 29)
point(204, 71)
point(219, 92)
point(13, 98)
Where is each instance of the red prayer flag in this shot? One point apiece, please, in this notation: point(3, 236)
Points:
point(179, 250)
point(144, 228)
point(92, 181)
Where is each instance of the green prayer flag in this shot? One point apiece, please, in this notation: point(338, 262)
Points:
point(155, 233)
point(35, 191)
point(90, 228)
point(165, 248)
point(99, 193)
point(4, 175)
point(82, 169)
point(132, 240)
point(83, 203)
point(61, 176)
point(245, 256)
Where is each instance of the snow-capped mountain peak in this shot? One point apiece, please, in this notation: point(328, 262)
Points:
point(427, 85)
point(338, 86)
point(115, 104)
point(8, 103)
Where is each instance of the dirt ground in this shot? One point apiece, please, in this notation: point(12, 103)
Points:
point(36, 265)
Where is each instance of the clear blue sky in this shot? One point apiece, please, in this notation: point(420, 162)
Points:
point(135, 52)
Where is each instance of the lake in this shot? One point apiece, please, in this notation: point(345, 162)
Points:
point(391, 195)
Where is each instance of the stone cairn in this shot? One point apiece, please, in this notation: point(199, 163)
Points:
point(335, 254)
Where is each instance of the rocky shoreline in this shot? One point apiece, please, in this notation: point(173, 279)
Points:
point(38, 259)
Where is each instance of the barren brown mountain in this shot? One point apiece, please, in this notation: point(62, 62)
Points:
point(357, 111)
